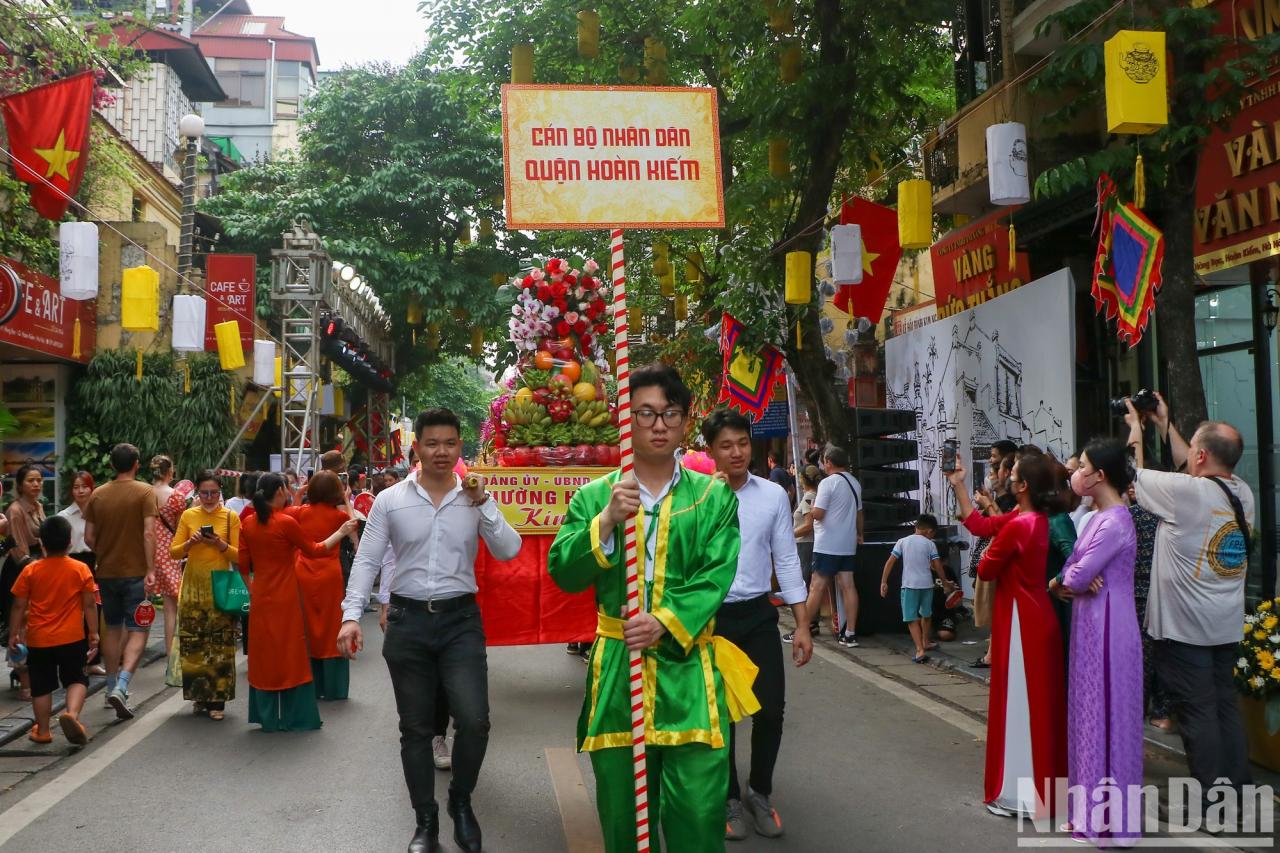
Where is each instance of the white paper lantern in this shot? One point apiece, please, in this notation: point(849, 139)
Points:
point(264, 363)
point(846, 254)
point(188, 323)
point(1007, 174)
point(78, 260)
point(326, 400)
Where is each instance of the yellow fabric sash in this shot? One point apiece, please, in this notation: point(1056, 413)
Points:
point(736, 669)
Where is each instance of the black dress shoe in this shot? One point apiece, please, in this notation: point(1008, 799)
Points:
point(466, 829)
point(427, 837)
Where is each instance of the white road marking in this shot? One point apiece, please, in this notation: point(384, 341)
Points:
point(910, 695)
point(29, 809)
point(577, 813)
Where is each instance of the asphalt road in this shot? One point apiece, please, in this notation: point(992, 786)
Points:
point(861, 769)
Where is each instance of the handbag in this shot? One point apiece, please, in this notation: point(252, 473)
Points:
point(230, 595)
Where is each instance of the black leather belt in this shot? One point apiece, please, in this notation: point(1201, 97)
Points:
point(434, 605)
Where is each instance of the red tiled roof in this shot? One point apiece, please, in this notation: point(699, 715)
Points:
point(233, 25)
point(221, 35)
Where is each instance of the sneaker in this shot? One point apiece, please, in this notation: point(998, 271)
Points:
point(790, 637)
point(735, 821)
point(573, 649)
point(73, 729)
point(441, 755)
point(764, 816)
point(849, 641)
point(38, 736)
point(118, 700)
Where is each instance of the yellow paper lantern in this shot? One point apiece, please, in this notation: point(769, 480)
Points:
point(628, 73)
point(799, 278)
point(790, 63)
point(339, 402)
point(414, 314)
point(477, 342)
point(681, 309)
point(655, 61)
point(433, 335)
point(279, 374)
point(498, 279)
point(635, 319)
point(667, 282)
point(1136, 82)
point(486, 228)
point(780, 15)
point(464, 231)
point(230, 349)
point(140, 299)
point(915, 214)
point(522, 63)
point(588, 34)
point(693, 267)
point(779, 157)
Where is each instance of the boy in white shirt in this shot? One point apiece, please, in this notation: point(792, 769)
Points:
point(919, 555)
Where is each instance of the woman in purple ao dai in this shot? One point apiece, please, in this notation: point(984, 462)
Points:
point(1104, 690)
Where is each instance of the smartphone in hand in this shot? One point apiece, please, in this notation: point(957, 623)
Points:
point(947, 459)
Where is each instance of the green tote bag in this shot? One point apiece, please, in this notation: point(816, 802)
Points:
point(230, 595)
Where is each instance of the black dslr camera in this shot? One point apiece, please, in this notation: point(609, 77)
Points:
point(1143, 401)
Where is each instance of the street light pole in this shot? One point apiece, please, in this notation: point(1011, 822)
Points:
point(192, 127)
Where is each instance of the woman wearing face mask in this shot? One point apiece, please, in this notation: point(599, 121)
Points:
point(208, 537)
point(1104, 716)
point(171, 502)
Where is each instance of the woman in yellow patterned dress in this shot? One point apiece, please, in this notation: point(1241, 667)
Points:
point(208, 536)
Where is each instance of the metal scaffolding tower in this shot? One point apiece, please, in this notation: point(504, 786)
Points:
point(299, 273)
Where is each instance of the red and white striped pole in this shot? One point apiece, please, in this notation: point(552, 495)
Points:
point(635, 603)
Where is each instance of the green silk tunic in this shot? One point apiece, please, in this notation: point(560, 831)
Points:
point(695, 561)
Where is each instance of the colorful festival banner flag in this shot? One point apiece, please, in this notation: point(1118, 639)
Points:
point(748, 378)
point(49, 140)
point(1128, 267)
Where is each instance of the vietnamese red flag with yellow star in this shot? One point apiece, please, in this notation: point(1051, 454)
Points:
point(49, 140)
point(880, 255)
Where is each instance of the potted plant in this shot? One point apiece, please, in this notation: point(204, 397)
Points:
point(1257, 675)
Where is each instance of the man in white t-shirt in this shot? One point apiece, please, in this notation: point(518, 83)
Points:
point(1196, 604)
point(837, 533)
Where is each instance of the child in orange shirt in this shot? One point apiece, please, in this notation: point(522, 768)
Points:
point(53, 600)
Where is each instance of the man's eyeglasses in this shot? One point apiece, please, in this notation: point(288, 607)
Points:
point(648, 417)
point(205, 493)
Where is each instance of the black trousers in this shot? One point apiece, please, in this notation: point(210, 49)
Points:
point(1204, 701)
point(753, 627)
point(426, 653)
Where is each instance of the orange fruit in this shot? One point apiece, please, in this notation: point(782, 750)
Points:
point(572, 370)
point(543, 360)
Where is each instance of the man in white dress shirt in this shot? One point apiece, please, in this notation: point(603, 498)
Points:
point(750, 621)
point(434, 637)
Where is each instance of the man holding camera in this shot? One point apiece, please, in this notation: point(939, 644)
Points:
point(1196, 602)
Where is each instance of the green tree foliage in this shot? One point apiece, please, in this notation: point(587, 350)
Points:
point(109, 405)
point(392, 162)
point(456, 384)
point(1208, 74)
point(875, 76)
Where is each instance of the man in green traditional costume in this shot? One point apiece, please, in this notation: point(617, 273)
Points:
point(693, 681)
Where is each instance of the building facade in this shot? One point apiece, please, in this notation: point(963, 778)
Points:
point(266, 72)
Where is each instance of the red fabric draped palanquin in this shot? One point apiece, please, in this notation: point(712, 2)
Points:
point(522, 606)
